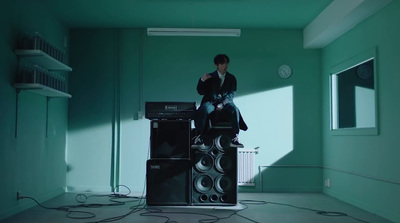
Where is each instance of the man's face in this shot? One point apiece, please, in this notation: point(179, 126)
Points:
point(222, 68)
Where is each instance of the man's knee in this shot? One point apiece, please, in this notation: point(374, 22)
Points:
point(206, 108)
point(231, 109)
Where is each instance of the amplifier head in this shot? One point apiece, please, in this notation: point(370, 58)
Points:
point(169, 110)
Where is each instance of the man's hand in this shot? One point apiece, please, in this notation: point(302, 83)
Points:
point(219, 107)
point(205, 77)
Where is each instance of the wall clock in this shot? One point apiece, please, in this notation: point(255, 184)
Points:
point(364, 71)
point(284, 71)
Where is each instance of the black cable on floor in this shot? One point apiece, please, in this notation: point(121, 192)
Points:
point(82, 198)
point(319, 212)
point(140, 206)
point(70, 213)
point(153, 212)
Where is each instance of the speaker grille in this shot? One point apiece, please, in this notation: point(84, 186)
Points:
point(214, 173)
point(167, 182)
point(170, 139)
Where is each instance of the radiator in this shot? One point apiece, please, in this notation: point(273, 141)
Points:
point(246, 165)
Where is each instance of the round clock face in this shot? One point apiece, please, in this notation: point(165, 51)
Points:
point(364, 71)
point(284, 71)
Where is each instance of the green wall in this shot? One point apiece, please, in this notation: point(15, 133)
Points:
point(368, 170)
point(117, 70)
point(30, 161)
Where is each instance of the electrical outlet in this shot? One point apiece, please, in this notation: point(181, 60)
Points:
point(18, 195)
point(140, 114)
point(328, 183)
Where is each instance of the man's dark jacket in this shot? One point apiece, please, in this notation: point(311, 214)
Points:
point(212, 92)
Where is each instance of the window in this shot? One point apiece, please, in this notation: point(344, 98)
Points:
point(353, 96)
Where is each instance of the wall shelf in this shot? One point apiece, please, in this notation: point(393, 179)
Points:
point(41, 90)
point(43, 59)
point(38, 80)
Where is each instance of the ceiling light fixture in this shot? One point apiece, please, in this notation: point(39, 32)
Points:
point(192, 32)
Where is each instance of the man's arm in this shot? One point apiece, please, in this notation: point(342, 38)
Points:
point(230, 94)
point(201, 85)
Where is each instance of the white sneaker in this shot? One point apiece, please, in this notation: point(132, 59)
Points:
point(198, 143)
point(235, 143)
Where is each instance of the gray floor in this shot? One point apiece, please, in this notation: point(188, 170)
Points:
point(253, 207)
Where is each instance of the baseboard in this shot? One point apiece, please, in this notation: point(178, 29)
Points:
point(291, 190)
point(107, 189)
point(25, 204)
point(89, 189)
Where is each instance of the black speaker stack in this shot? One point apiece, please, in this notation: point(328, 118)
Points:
point(179, 175)
point(214, 171)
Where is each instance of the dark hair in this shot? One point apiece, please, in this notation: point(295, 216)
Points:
point(221, 59)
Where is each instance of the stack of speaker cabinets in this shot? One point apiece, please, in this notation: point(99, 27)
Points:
point(179, 175)
point(169, 167)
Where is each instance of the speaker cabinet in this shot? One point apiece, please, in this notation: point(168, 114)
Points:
point(214, 173)
point(168, 182)
point(170, 139)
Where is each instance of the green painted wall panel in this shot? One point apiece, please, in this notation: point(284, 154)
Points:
point(91, 110)
point(368, 156)
point(31, 161)
point(141, 68)
point(117, 70)
point(291, 179)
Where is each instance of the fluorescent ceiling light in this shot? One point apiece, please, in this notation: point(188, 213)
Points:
point(192, 32)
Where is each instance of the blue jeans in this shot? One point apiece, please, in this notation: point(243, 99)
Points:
point(229, 113)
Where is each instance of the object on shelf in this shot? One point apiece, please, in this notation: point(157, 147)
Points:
point(41, 90)
point(38, 75)
point(37, 42)
point(42, 59)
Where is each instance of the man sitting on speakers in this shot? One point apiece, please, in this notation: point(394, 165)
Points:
point(218, 89)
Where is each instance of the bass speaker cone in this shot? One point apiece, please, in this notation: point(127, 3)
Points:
point(203, 183)
point(222, 142)
point(223, 163)
point(223, 184)
point(203, 162)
